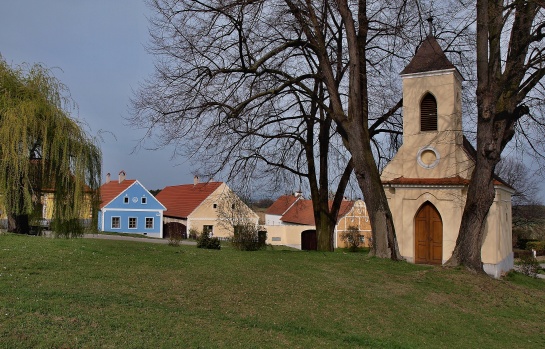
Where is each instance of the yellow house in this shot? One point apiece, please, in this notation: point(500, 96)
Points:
point(290, 221)
point(48, 202)
point(210, 206)
point(426, 182)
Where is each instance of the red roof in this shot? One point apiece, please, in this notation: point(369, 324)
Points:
point(110, 191)
point(457, 180)
point(281, 205)
point(181, 200)
point(302, 211)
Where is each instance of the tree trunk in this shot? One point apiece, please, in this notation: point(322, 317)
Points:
point(384, 244)
point(480, 197)
point(18, 224)
point(325, 232)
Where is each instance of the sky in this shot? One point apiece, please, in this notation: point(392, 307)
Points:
point(97, 49)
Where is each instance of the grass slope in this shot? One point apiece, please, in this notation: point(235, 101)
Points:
point(83, 293)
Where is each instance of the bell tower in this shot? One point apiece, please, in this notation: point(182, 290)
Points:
point(432, 116)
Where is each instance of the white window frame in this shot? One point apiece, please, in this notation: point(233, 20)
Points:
point(126, 200)
point(144, 200)
point(135, 223)
point(152, 222)
point(118, 222)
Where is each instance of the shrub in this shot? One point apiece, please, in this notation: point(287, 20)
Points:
point(248, 238)
point(205, 241)
point(68, 229)
point(194, 234)
point(529, 265)
point(175, 237)
point(538, 246)
point(352, 238)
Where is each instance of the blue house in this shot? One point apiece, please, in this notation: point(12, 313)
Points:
point(127, 207)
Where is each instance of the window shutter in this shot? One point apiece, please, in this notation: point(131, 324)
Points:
point(428, 114)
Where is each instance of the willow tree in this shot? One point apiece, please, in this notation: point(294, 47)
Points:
point(42, 148)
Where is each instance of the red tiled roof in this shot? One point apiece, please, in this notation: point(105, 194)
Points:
point(300, 213)
point(181, 200)
point(457, 180)
point(429, 181)
point(428, 57)
point(303, 213)
point(281, 205)
point(110, 191)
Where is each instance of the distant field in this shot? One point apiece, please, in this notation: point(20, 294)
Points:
point(84, 293)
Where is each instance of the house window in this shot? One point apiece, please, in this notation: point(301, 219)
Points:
point(208, 229)
point(233, 206)
point(126, 200)
point(132, 222)
point(144, 200)
point(116, 222)
point(149, 222)
point(215, 205)
point(428, 113)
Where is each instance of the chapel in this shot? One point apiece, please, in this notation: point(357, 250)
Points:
point(426, 182)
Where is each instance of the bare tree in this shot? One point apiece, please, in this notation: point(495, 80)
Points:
point(237, 84)
point(510, 71)
point(518, 176)
point(234, 215)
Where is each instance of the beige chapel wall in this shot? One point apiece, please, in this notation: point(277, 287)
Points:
point(497, 244)
point(405, 203)
point(445, 86)
point(452, 160)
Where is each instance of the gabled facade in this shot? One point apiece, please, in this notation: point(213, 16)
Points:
point(210, 206)
point(128, 207)
point(290, 221)
point(426, 182)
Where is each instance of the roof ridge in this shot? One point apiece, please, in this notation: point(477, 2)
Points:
point(429, 56)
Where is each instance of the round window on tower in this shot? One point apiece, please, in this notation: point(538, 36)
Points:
point(428, 157)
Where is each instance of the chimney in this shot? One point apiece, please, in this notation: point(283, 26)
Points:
point(195, 180)
point(122, 176)
point(107, 177)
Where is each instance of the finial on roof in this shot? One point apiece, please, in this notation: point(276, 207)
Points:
point(430, 24)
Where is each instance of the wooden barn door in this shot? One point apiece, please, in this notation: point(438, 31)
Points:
point(309, 241)
point(428, 228)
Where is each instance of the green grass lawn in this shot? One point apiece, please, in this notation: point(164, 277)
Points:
point(84, 293)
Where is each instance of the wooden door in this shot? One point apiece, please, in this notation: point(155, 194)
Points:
point(428, 238)
point(309, 241)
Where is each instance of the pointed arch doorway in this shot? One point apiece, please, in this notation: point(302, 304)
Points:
point(428, 235)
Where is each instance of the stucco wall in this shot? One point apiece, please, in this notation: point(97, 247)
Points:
point(405, 203)
point(358, 217)
point(209, 213)
point(286, 234)
point(446, 141)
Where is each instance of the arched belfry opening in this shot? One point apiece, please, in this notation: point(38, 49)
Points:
point(428, 235)
point(428, 113)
